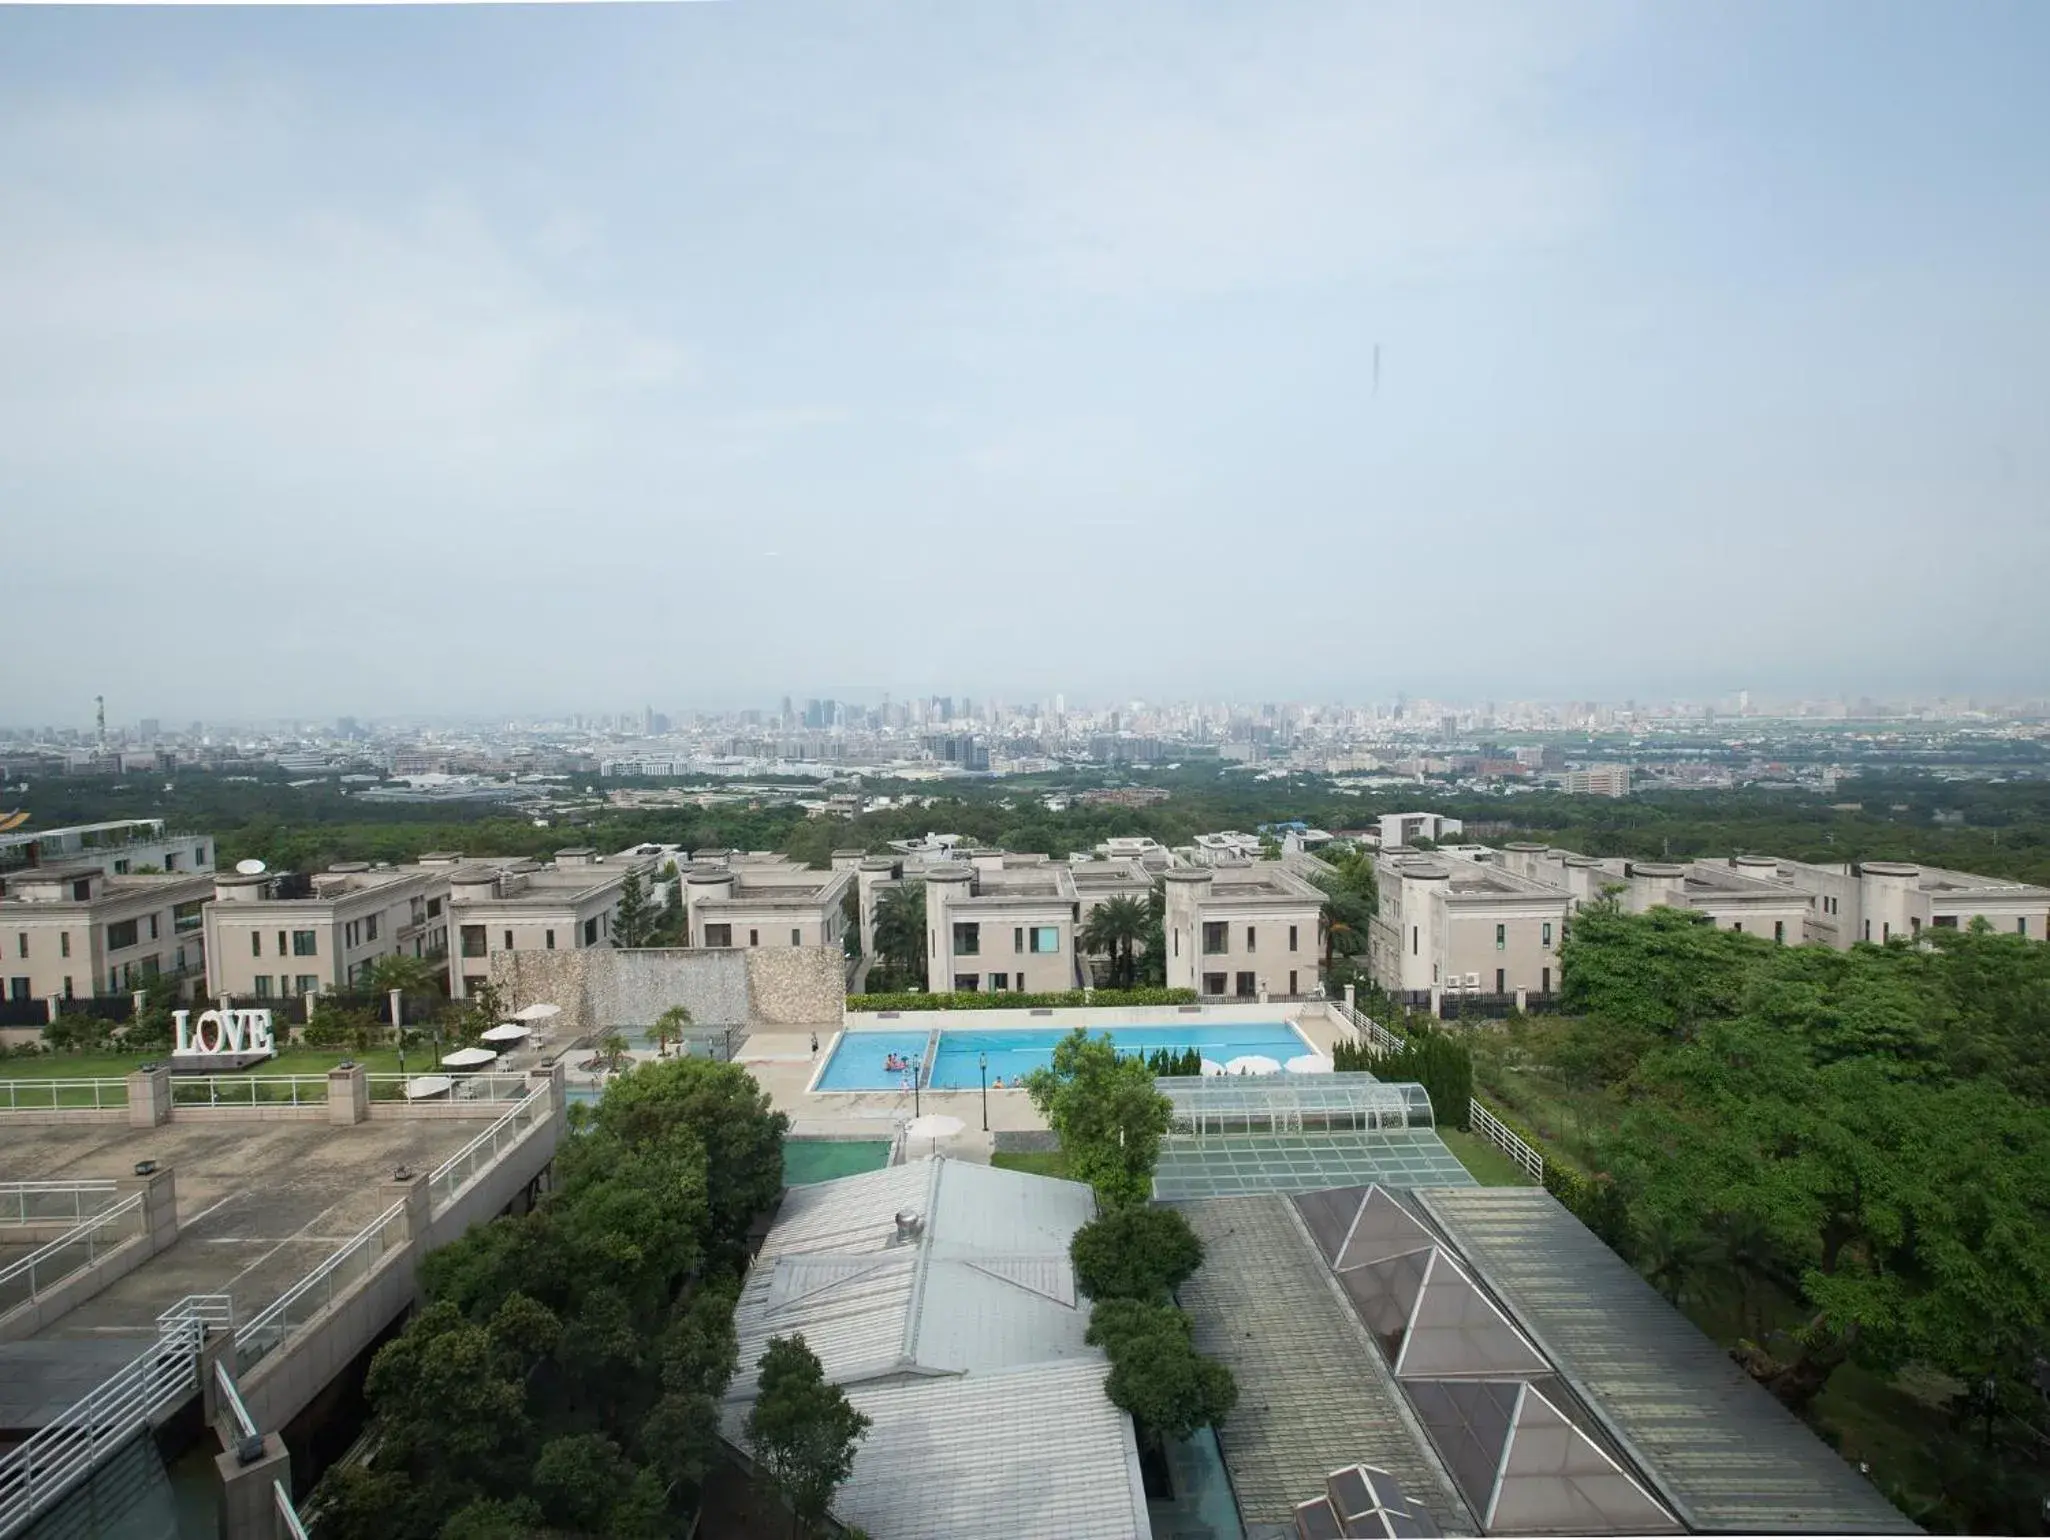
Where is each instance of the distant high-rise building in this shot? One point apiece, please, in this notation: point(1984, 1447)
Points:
point(150, 730)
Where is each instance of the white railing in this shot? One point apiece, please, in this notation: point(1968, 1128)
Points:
point(1506, 1139)
point(216, 1312)
point(78, 1248)
point(248, 1090)
point(453, 1174)
point(287, 1514)
point(39, 1470)
point(41, 1203)
point(1378, 1039)
point(50, 1095)
point(231, 1398)
point(498, 1085)
point(317, 1290)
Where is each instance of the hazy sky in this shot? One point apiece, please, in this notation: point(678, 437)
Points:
point(502, 359)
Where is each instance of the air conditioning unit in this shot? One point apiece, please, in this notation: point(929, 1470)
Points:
point(1473, 981)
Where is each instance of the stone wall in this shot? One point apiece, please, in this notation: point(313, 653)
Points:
point(753, 988)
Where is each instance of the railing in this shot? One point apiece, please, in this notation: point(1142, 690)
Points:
point(39, 1470)
point(452, 1174)
point(77, 1248)
point(488, 1086)
point(36, 1203)
point(1379, 1040)
point(287, 1514)
point(317, 1290)
point(1506, 1139)
point(248, 1090)
point(231, 1398)
point(213, 1311)
point(48, 1095)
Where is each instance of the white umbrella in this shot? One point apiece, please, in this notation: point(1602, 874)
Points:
point(1253, 1064)
point(509, 1032)
point(934, 1126)
point(1212, 1067)
point(420, 1087)
point(537, 1012)
point(1309, 1064)
point(467, 1058)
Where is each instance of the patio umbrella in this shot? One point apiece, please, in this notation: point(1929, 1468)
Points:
point(1212, 1067)
point(1309, 1064)
point(1253, 1064)
point(420, 1087)
point(467, 1058)
point(540, 1011)
point(934, 1126)
point(509, 1032)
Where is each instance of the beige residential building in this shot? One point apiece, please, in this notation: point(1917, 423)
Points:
point(766, 903)
point(72, 930)
point(526, 906)
point(1740, 893)
point(1001, 924)
point(1597, 781)
point(1448, 923)
point(121, 847)
point(261, 945)
point(1242, 930)
point(1878, 900)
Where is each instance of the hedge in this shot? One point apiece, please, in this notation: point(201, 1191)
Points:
point(963, 1001)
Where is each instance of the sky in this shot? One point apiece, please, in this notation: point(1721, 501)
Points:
point(390, 360)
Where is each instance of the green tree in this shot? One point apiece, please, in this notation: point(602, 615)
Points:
point(1156, 1374)
point(670, 1024)
point(634, 921)
point(1135, 1252)
point(802, 1429)
point(1114, 930)
point(1108, 1114)
point(900, 929)
point(408, 975)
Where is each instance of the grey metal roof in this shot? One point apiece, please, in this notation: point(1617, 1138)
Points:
point(1234, 1165)
point(1314, 1395)
point(985, 1284)
point(1715, 1444)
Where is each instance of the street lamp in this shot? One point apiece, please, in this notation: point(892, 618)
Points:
point(982, 1068)
point(917, 1074)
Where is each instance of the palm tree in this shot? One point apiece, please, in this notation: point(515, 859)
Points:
point(408, 975)
point(669, 1028)
point(1334, 928)
point(1114, 928)
point(900, 928)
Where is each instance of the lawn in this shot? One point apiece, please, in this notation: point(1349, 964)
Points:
point(1490, 1167)
point(1038, 1162)
point(296, 1060)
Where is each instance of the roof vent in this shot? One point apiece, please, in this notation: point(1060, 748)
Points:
point(909, 1223)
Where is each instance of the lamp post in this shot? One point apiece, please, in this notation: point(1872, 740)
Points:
point(982, 1069)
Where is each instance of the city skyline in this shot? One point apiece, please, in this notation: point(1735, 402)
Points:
point(434, 360)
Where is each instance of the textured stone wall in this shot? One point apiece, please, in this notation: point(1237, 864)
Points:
point(603, 988)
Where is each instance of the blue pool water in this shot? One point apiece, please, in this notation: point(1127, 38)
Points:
point(857, 1062)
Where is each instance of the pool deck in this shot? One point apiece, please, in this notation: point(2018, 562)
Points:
point(784, 1065)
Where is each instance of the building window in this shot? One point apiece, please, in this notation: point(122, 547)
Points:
point(718, 935)
point(754, 938)
point(264, 987)
point(1868, 930)
point(998, 982)
point(1915, 924)
point(307, 984)
point(21, 943)
point(1250, 947)
point(1018, 938)
point(256, 943)
point(1547, 935)
point(305, 944)
point(1291, 981)
point(153, 927)
point(1247, 986)
point(1501, 938)
point(64, 942)
point(1885, 931)
point(473, 941)
point(1412, 940)
point(433, 908)
point(1046, 939)
point(1216, 939)
point(967, 939)
point(349, 934)
point(120, 868)
point(121, 934)
point(1545, 980)
point(1501, 982)
point(1736, 925)
point(591, 933)
point(199, 855)
point(1779, 931)
point(796, 936)
point(188, 917)
point(17, 989)
point(1178, 941)
point(1291, 947)
point(1213, 983)
point(370, 928)
point(1949, 922)
point(170, 860)
point(968, 983)
point(548, 940)
point(508, 941)
point(82, 890)
point(67, 987)
point(2021, 928)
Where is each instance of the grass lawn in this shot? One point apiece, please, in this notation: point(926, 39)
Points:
point(1490, 1167)
point(1038, 1162)
point(295, 1060)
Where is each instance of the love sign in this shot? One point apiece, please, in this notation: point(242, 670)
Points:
point(219, 1032)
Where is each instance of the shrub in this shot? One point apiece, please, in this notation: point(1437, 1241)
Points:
point(1135, 1252)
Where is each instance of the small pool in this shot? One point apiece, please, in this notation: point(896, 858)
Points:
point(858, 1058)
point(820, 1160)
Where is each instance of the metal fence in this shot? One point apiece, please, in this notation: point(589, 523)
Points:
point(452, 1174)
point(49, 1095)
point(79, 1247)
point(1378, 1039)
point(39, 1203)
point(486, 1086)
point(317, 1290)
point(1504, 1138)
point(39, 1470)
point(24, 1012)
point(248, 1090)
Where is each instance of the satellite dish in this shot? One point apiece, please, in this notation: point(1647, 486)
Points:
point(249, 868)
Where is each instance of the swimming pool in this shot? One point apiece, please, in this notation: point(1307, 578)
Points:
point(858, 1058)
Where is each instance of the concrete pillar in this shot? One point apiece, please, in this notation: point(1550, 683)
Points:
point(1348, 999)
point(419, 1208)
point(1521, 996)
point(54, 1007)
point(248, 1509)
point(398, 1013)
point(348, 1095)
point(1437, 997)
point(136, 999)
point(149, 1097)
point(159, 1208)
